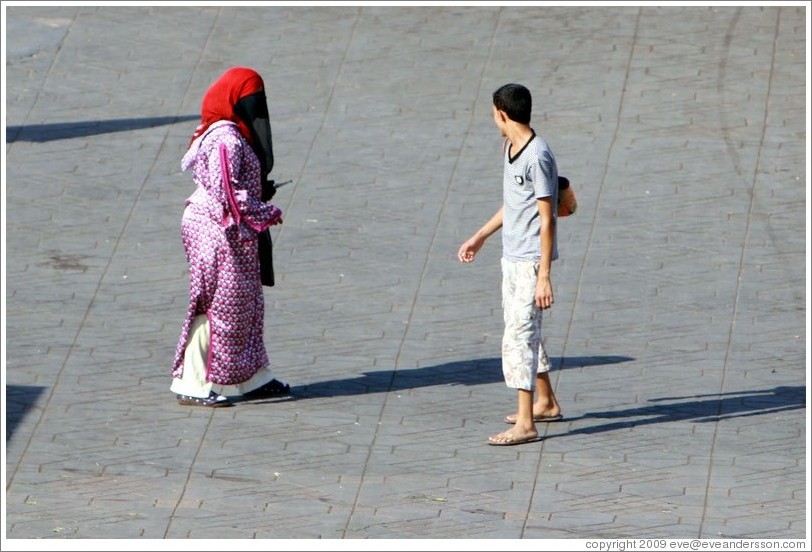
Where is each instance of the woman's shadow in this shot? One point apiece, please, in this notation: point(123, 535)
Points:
point(702, 408)
point(462, 372)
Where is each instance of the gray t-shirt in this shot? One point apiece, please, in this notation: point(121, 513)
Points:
point(532, 173)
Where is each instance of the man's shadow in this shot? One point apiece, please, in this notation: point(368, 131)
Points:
point(703, 408)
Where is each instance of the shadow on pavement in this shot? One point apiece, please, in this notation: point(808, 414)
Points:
point(62, 131)
point(696, 409)
point(19, 400)
point(463, 372)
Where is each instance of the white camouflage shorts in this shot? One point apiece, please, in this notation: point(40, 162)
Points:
point(523, 354)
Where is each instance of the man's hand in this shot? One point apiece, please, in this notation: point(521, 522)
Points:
point(468, 249)
point(544, 293)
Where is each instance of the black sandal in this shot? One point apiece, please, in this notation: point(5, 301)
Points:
point(273, 388)
point(213, 400)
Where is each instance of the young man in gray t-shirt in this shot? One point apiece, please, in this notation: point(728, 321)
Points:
point(527, 218)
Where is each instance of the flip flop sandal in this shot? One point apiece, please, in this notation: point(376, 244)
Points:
point(513, 440)
point(213, 400)
point(509, 419)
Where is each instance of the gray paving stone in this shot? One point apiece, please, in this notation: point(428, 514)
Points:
point(679, 332)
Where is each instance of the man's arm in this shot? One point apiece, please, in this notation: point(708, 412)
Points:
point(469, 248)
point(544, 286)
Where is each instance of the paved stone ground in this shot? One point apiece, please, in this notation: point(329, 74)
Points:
point(679, 331)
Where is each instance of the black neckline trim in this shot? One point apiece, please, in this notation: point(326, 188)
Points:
point(524, 147)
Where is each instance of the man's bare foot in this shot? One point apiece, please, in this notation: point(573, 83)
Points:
point(513, 437)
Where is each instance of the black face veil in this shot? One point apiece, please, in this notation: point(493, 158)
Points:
point(253, 109)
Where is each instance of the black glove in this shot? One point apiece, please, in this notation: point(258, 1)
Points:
point(268, 190)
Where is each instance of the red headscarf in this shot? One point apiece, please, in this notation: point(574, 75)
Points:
point(221, 97)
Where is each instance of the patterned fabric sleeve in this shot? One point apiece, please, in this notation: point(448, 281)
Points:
point(240, 190)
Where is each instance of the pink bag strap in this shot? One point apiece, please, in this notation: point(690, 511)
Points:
point(229, 191)
point(227, 188)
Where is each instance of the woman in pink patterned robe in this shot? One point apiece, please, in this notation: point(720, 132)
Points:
point(221, 340)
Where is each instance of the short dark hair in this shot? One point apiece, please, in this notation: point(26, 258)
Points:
point(515, 100)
